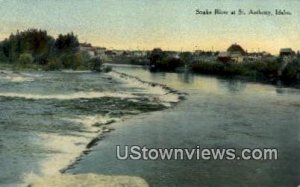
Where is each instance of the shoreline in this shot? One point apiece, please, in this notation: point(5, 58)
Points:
point(252, 80)
point(235, 77)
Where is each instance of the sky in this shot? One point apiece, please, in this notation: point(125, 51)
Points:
point(168, 24)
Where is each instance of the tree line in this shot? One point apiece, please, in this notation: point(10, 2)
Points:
point(36, 47)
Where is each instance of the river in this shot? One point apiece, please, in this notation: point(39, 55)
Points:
point(48, 118)
point(218, 113)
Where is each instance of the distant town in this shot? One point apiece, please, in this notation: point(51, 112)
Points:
point(36, 49)
point(234, 53)
point(235, 61)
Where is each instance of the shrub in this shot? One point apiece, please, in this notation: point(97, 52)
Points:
point(72, 61)
point(95, 64)
point(290, 73)
point(25, 58)
point(54, 64)
point(218, 68)
point(207, 67)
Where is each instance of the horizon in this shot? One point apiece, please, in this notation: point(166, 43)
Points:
point(169, 25)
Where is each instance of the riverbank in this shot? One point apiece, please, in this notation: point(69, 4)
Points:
point(233, 73)
point(273, 72)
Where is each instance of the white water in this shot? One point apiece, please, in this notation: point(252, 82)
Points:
point(70, 96)
point(64, 149)
point(15, 77)
point(156, 91)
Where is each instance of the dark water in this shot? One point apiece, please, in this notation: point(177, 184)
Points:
point(47, 118)
point(217, 114)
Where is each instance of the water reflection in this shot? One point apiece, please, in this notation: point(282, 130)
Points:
point(287, 91)
point(232, 85)
point(185, 77)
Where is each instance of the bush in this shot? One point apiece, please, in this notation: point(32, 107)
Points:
point(290, 73)
point(73, 61)
point(219, 68)
point(263, 70)
point(95, 64)
point(168, 64)
point(54, 64)
point(207, 67)
point(25, 59)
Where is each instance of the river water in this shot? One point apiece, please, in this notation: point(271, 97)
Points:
point(218, 113)
point(49, 119)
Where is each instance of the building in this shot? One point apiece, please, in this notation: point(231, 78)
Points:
point(224, 57)
point(238, 58)
point(87, 48)
point(236, 49)
point(286, 52)
point(235, 53)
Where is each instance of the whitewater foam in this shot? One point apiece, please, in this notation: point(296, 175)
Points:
point(70, 96)
point(92, 123)
point(159, 92)
point(12, 77)
point(64, 150)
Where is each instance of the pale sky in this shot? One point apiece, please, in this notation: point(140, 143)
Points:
point(169, 24)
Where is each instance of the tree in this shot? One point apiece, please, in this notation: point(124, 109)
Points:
point(33, 41)
point(186, 57)
point(67, 43)
point(156, 56)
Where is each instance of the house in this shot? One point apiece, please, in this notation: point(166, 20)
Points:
point(88, 48)
point(100, 50)
point(139, 53)
point(237, 50)
point(286, 52)
point(224, 57)
point(236, 57)
point(235, 53)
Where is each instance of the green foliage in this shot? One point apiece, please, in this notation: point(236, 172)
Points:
point(291, 73)
point(156, 55)
point(186, 57)
point(267, 70)
point(159, 60)
point(95, 64)
point(67, 43)
point(37, 47)
point(53, 64)
point(25, 59)
point(73, 61)
point(33, 41)
point(170, 64)
point(207, 67)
